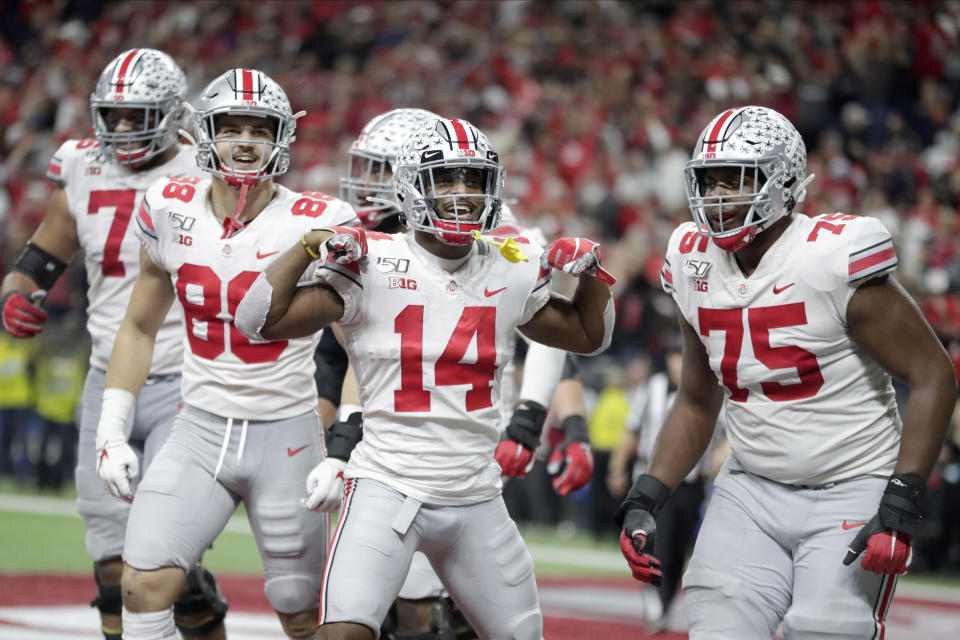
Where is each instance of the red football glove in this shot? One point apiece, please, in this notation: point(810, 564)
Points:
point(571, 463)
point(347, 244)
point(886, 541)
point(636, 544)
point(515, 453)
point(576, 256)
point(22, 318)
point(514, 459)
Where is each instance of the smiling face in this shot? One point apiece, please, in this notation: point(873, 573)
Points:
point(732, 187)
point(453, 188)
point(245, 143)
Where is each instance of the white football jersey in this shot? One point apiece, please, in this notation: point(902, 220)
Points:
point(804, 403)
point(428, 348)
point(102, 197)
point(224, 372)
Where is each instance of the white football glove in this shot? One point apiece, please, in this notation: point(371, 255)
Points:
point(117, 466)
point(325, 485)
point(117, 463)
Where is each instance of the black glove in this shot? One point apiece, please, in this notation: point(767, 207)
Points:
point(888, 537)
point(639, 529)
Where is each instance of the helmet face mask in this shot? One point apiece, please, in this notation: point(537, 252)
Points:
point(371, 160)
point(146, 88)
point(243, 92)
point(449, 182)
point(767, 153)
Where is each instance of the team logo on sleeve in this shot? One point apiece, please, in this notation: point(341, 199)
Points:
point(697, 268)
point(392, 265)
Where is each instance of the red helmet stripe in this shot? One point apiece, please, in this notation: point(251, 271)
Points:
point(717, 128)
point(121, 75)
point(461, 134)
point(247, 84)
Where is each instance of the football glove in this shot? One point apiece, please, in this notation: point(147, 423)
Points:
point(886, 540)
point(346, 245)
point(514, 454)
point(576, 256)
point(571, 463)
point(117, 466)
point(22, 316)
point(325, 485)
point(639, 529)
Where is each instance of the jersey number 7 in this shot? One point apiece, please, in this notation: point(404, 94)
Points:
point(760, 321)
point(448, 370)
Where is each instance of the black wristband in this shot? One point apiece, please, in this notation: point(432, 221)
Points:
point(574, 429)
point(900, 504)
point(527, 423)
point(647, 493)
point(344, 436)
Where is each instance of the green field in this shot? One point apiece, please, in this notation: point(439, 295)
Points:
point(43, 534)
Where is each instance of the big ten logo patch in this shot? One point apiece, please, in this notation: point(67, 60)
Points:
point(180, 238)
point(93, 171)
point(396, 282)
point(701, 285)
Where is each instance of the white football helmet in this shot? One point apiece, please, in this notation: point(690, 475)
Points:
point(436, 151)
point(763, 144)
point(144, 79)
point(244, 92)
point(372, 160)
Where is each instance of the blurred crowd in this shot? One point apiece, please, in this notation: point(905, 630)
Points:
point(594, 106)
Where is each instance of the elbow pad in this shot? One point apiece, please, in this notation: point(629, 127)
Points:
point(42, 266)
point(252, 311)
point(542, 370)
point(609, 319)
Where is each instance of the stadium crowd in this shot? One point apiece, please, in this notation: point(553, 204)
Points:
point(595, 107)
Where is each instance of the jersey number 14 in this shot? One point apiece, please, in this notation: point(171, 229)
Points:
point(448, 370)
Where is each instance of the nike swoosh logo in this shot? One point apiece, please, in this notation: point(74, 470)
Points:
point(777, 290)
point(261, 256)
point(293, 452)
point(103, 454)
point(489, 293)
point(852, 525)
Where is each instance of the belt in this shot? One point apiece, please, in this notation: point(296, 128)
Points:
point(158, 379)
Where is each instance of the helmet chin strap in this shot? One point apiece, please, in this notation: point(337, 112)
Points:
point(232, 224)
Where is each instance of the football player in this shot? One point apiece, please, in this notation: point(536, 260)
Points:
point(422, 604)
point(794, 325)
point(137, 110)
point(427, 318)
point(248, 431)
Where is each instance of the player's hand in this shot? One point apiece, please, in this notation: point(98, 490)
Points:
point(571, 463)
point(637, 541)
point(514, 454)
point(117, 466)
point(347, 244)
point(22, 316)
point(325, 485)
point(576, 256)
point(886, 540)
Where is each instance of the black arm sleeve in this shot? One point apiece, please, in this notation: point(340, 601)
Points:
point(332, 364)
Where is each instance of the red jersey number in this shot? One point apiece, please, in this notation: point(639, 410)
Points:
point(122, 201)
point(448, 370)
point(206, 331)
point(761, 320)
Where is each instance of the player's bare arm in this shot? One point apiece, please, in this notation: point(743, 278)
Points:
point(577, 325)
point(291, 311)
point(37, 269)
point(690, 422)
point(133, 349)
point(886, 322)
point(57, 235)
